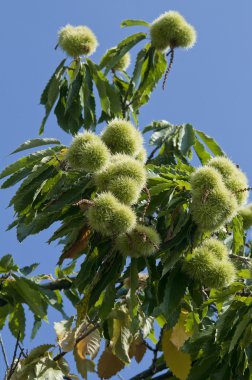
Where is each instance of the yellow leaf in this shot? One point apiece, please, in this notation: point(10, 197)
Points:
point(89, 345)
point(83, 365)
point(179, 334)
point(178, 362)
point(109, 364)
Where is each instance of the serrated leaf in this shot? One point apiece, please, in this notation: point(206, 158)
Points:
point(174, 291)
point(187, 139)
point(7, 264)
point(240, 328)
point(178, 362)
point(152, 72)
point(238, 234)
point(17, 322)
point(28, 269)
point(65, 334)
point(83, 365)
point(70, 120)
point(108, 301)
point(47, 369)
point(179, 334)
point(36, 326)
point(88, 100)
point(141, 57)
point(114, 98)
point(30, 160)
point(38, 352)
point(74, 90)
point(100, 82)
point(5, 310)
point(131, 22)
point(51, 93)
point(29, 144)
point(211, 144)
point(121, 339)
point(112, 56)
point(109, 364)
point(34, 299)
point(133, 306)
point(16, 177)
point(90, 345)
point(147, 326)
point(138, 349)
point(201, 152)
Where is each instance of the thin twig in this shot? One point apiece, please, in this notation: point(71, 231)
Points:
point(4, 352)
point(63, 283)
point(14, 357)
point(245, 260)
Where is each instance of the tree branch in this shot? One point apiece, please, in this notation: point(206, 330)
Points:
point(13, 364)
point(4, 352)
point(245, 260)
point(149, 372)
point(61, 284)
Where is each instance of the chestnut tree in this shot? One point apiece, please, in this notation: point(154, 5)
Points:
point(155, 255)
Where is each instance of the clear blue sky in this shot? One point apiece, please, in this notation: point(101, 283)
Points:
point(209, 86)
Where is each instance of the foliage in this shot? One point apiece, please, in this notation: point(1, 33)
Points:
point(125, 300)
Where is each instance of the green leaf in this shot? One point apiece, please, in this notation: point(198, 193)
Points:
point(202, 368)
point(88, 100)
point(16, 177)
point(174, 291)
point(29, 144)
point(211, 144)
point(108, 301)
point(100, 82)
point(7, 264)
point(247, 319)
point(87, 269)
point(17, 322)
point(187, 139)
point(30, 188)
point(131, 22)
point(38, 352)
point(28, 269)
point(70, 120)
point(152, 72)
point(4, 312)
point(141, 57)
point(30, 160)
point(36, 326)
point(31, 295)
point(51, 92)
point(113, 56)
point(133, 288)
point(107, 275)
point(201, 152)
point(238, 234)
point(74, 90)
point(114, 98)
point(121, 339)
